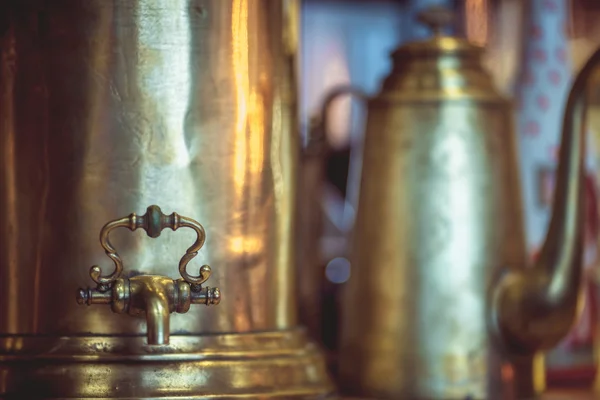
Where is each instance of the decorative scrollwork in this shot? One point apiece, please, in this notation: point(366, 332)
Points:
point(153, 222)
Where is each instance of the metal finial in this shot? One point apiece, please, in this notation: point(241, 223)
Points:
point(436, 18)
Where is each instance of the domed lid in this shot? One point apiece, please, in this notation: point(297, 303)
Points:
point(439, 68)
point(436, 18)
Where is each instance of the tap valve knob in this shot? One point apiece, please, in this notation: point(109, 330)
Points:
point(436, 17)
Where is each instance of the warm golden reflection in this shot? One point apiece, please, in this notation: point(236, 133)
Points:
point(256, 123)
point(247, 245)
point(241, 82)
point(12, 344)
point(291, 26)
point(539, 373)
point(239, 61)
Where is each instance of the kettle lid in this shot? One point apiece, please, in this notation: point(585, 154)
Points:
point(436, 18)
point(442, 67)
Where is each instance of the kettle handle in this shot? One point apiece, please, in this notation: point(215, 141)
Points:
point(318, 134)
point(153, 222)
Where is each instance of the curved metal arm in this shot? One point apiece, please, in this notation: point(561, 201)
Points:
point(317, 145)
point(334, 94)
point(153, 222)
point(534, 308)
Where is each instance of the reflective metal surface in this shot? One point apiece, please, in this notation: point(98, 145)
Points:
point(112, 106)
point(441, 304)
point(109, 106)
point(265, 365)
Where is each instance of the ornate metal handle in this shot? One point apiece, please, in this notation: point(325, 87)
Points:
point(153, 222)
point(154, 296)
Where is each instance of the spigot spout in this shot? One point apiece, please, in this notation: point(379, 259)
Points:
point(157, 316)
point(534, 308)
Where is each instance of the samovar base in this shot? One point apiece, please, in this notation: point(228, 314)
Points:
point(273, 365)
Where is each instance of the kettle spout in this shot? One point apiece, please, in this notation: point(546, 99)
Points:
point(534, 308)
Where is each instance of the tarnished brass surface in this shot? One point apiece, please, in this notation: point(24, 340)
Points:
point(250, 365)
point(440, 304)
point(551, 395)
point(154, 296)
point(108, 106)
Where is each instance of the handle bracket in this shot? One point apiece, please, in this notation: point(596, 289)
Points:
point(153, 222)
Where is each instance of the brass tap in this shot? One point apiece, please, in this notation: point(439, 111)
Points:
point(153, 295)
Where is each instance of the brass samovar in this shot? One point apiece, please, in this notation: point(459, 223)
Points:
point(441, 303)
point(146, 115)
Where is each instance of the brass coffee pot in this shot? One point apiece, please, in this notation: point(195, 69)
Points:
point(108, 107)
point(441, 303)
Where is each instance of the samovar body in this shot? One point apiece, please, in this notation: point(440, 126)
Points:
point(441, 303)
point(107, 107)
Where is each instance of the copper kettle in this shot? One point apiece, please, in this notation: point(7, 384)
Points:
point(441, 303)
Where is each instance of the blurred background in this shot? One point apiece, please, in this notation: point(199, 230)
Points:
point(533, 50)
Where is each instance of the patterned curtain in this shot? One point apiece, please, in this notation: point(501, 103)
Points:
point(542, 93)
point(541, 96)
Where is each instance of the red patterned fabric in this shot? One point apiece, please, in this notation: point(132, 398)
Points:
point(542, 93)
